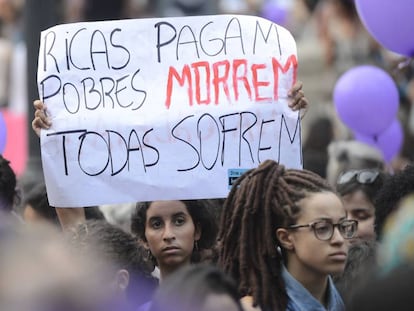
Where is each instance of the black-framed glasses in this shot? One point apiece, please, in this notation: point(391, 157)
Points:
point(324, 229)
point(365, 176)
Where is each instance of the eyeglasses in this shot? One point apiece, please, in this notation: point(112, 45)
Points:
point(362, 176)
point(324, 230)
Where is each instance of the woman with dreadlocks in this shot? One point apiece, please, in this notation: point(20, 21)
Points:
point(278, 239)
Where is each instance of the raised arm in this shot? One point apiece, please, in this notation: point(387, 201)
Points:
point(68, 217)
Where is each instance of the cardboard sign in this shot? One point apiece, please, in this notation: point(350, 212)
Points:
point(171, 108)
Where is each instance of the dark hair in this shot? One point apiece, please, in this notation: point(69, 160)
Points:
point(9, 196)
point(393, 291)
point(201, 215)
point(369, 189)
point(260, 201)
point(361, 260)
point(188, 288)
point(395, 187)
point(37, 199)
point(120, 249)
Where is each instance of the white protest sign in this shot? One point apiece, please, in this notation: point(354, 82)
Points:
point(171, 108)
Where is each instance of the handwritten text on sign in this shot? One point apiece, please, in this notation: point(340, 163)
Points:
point(163, 108)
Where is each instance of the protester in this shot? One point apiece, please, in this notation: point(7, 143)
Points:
point(174, 232)
point(197, 288)
point(278, 238)
point(358, 189)
point(36, 207)
point(393, 190)
point(40, 271)
point(389, 287)
point(361, 261)
point(351, 154)
point(9, 193)
point(132, 282)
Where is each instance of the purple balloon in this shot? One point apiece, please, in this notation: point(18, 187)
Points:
point(274, 12)
point(390, 22)
point(389, 142)
point(366, 99)
point(3, 133)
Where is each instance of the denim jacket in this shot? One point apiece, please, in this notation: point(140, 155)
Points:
point(299, 298)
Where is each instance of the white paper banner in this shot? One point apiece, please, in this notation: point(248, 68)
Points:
point(171, 108)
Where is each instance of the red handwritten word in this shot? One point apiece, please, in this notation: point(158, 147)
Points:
point(228, 77)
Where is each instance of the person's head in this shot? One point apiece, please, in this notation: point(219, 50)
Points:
point(174, 231)
point(358, 189)
point(396, 245)
point(362, 259)
point(197, 288)
point(351, 154)
point(393, 190)
point(41, 271)
point(36, 206)
point(271, 207)
point(9, 195)
point(120, 249)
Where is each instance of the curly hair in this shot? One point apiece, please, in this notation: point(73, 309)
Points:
point(201, 214)
point(9, 195)
point(395, 187)
point(262, 200)
point(118, 248)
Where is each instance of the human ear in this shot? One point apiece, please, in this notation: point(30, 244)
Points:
point(121, 280)
point(197, 232)
point(284, 238)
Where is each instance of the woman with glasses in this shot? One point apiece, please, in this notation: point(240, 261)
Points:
point(283, 233)
point(358, 189)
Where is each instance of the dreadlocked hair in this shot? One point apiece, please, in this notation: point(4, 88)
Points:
point(262, 200)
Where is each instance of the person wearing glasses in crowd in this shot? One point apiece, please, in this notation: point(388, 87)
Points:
point(358, 189)
point(283, 233)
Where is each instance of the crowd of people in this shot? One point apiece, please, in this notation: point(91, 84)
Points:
point(335, 235)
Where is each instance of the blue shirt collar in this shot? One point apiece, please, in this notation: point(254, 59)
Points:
point(300, 299)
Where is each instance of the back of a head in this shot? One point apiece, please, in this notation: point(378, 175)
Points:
point(396, 245)
point(37, 200)
point(42, 272)
point(120, 249)
point(8, 186)
point(351, 154)
point(393, 190)
point(195, 288)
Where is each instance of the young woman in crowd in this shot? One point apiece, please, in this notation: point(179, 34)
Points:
point(358, 189)
point(283, 232)
point(174, 232)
